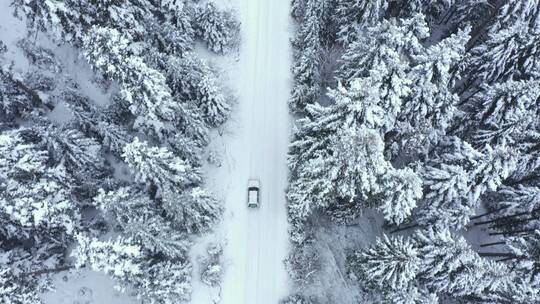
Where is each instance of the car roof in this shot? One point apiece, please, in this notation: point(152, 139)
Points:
point(253, 196)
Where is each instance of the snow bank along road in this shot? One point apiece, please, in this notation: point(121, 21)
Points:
point(257, 238)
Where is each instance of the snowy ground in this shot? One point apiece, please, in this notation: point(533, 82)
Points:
point(256, 147)
point(88, 287)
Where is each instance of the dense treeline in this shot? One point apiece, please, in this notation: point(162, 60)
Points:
point(427, 112)
point(62, 203)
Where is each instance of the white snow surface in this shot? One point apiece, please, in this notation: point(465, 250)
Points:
point(86, 287)
point(255, 146)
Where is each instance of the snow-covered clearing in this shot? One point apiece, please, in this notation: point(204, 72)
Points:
point(85, 288)
point(255, 147)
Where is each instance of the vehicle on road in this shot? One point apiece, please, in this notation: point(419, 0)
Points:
point(254, 188)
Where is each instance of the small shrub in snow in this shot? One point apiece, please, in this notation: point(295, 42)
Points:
point(214, 158)
point(302, 263)
point(295, 299)
point(211, 266)
point(3, 47)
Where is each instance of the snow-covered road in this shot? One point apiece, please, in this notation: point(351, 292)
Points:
point(257, 239)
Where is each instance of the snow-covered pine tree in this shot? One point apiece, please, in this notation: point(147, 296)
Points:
point(165, 29)
point(70, 20)
point(477, 143)
point(194, 210)
point(450, 266)
point(35, 195)
point(95, 122)
point(513, 200)
point(192, 207)
point(154, 280)
point(128, 42)
point(337, 159)
point(51, 16)
point(430, 107)
point(192, 80)
point(212, 268)
point(184, 75)
point(306, 68)
point(523, 258)
point(145, 88)
point(39, 215)
point(526, 258)
point(505, 114)
point(15, 101)
point(337, 174)
point(172, 31)
point(165, 282)
point(452, 13)
point(519, 292)
point(410, 79)
point(186, 148)
point(390, 263)
point(140, 219)
point(298, 9)
point(510, 106)
point(72, 149)
point(82, 157)
point(159, 167)
point(212, 103)
point(510, 52)
point(356, 14)
point(431, 102)
point(165, 274)
point(119, 258)
point(400, 190)
point(354, 108)
point(217, 28)
point(385, 47)
point(495, 166)
point(17, 289)
point(447, 187)
point(112, 136)
point(457, 177)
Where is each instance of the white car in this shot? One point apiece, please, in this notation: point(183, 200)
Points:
point(254, 187)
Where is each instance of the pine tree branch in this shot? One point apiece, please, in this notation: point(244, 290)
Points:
point(489, 212)
point(497, 254)
point(36, 99)
point(404, 228)
point(492, 244)
point(501, 218)
point(512, 232)
point(513, 222)
point(481, 30)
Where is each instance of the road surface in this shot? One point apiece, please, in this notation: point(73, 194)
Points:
point(257, 240)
